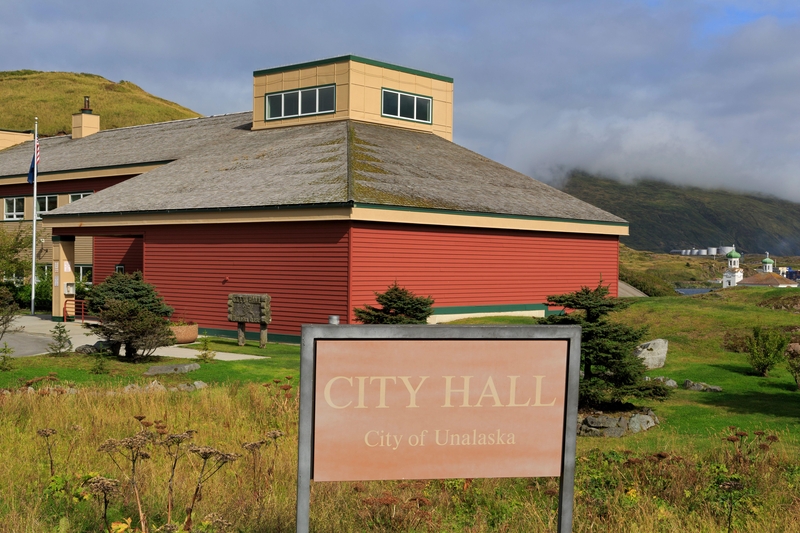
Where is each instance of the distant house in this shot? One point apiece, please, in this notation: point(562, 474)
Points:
point(767, 278)
point(343, 179)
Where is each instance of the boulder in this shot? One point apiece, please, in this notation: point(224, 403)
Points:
point(155, 386)
point(700, 386)
point(600, 425)
point(171, 369)
point(199, 385)
point(653, 353)
point(640, 422)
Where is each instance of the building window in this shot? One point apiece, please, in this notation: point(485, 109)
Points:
point(77, 196)
point(302, 102)
point(406, 106)
point(15, 208)
point(46, 203)
point(119, 269)
point(83, 273)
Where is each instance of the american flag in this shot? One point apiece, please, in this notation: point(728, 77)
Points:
point(34, 162)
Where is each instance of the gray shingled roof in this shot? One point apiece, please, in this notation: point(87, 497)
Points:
point(219, 163)
point(164, 141)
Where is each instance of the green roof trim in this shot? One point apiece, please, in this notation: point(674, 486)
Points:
point(500, 308)
point(733, 254)
point(480, 214)
point(357, 59)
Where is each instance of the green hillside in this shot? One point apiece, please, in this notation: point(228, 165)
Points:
point(55, 96)
point(663, 216)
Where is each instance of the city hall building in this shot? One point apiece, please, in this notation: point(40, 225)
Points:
point(342, 180)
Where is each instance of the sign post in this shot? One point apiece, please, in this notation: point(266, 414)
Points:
point(423, 402)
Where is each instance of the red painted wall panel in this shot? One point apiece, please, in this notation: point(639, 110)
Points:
point(302, 266)
point(470, 267)
point(108, 252)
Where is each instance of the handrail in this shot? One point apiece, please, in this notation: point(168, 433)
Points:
point(77, 305)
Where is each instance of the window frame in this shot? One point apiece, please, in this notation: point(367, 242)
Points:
point(299, 91)
point(80, 195)
point(46, 198)
point(15, 212)
point(384, 90)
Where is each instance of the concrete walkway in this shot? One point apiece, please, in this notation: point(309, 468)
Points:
point(36, 334)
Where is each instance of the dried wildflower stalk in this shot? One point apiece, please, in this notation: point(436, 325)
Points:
point(217, 459)
point(175, 444)
point(46, 433)
point(105, 488)
point(134, 451)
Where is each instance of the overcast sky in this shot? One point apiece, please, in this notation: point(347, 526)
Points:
point(703, 92)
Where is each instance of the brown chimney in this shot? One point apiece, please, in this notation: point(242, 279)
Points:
point(85, 123)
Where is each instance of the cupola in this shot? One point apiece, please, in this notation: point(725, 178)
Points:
point(353, 88)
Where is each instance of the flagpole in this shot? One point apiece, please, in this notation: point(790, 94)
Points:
point(35, 175)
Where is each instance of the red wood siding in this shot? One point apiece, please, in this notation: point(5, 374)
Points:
point(112, 251)
point(470, 267)
point(302, 266)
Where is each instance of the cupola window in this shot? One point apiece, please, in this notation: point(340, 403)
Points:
point(301, 102)
point(406, 106)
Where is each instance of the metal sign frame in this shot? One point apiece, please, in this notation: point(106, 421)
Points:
point(312, 333)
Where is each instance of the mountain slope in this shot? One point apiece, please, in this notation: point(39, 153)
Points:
point(665, 216)
point(55, 96)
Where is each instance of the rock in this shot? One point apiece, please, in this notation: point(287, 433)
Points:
point(640, 422)
point(671, 383)
point(131, 387)
point(155, 386)
point(199, 385)
point(653, 353)
point(171, 369)
point(186, 387)
point(586, 431)
point(614, 432)
point(86, 349)
point(602, 421)
point(599, 425)
point(700, 386)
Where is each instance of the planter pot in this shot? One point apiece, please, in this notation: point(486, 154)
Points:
point(184, 334)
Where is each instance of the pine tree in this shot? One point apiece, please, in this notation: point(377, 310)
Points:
point(128, 287)
point(611, 371)
point(398, 306)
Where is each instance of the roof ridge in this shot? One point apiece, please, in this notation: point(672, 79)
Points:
point(202, 117)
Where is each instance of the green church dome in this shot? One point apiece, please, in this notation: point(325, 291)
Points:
point(733, 254)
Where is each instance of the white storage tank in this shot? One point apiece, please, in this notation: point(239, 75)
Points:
point(723, 250)
point(695, 251)
point(712, 251)
point(703, 251)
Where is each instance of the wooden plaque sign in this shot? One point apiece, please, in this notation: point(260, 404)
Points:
point(250, 309)
point(423, 402)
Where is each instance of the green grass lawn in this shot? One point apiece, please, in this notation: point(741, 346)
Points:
point(280, 360)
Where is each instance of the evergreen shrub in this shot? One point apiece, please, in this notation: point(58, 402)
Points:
point(398, 305)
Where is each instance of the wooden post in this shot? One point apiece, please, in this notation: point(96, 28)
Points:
point(262, 341)
point(241, 333)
